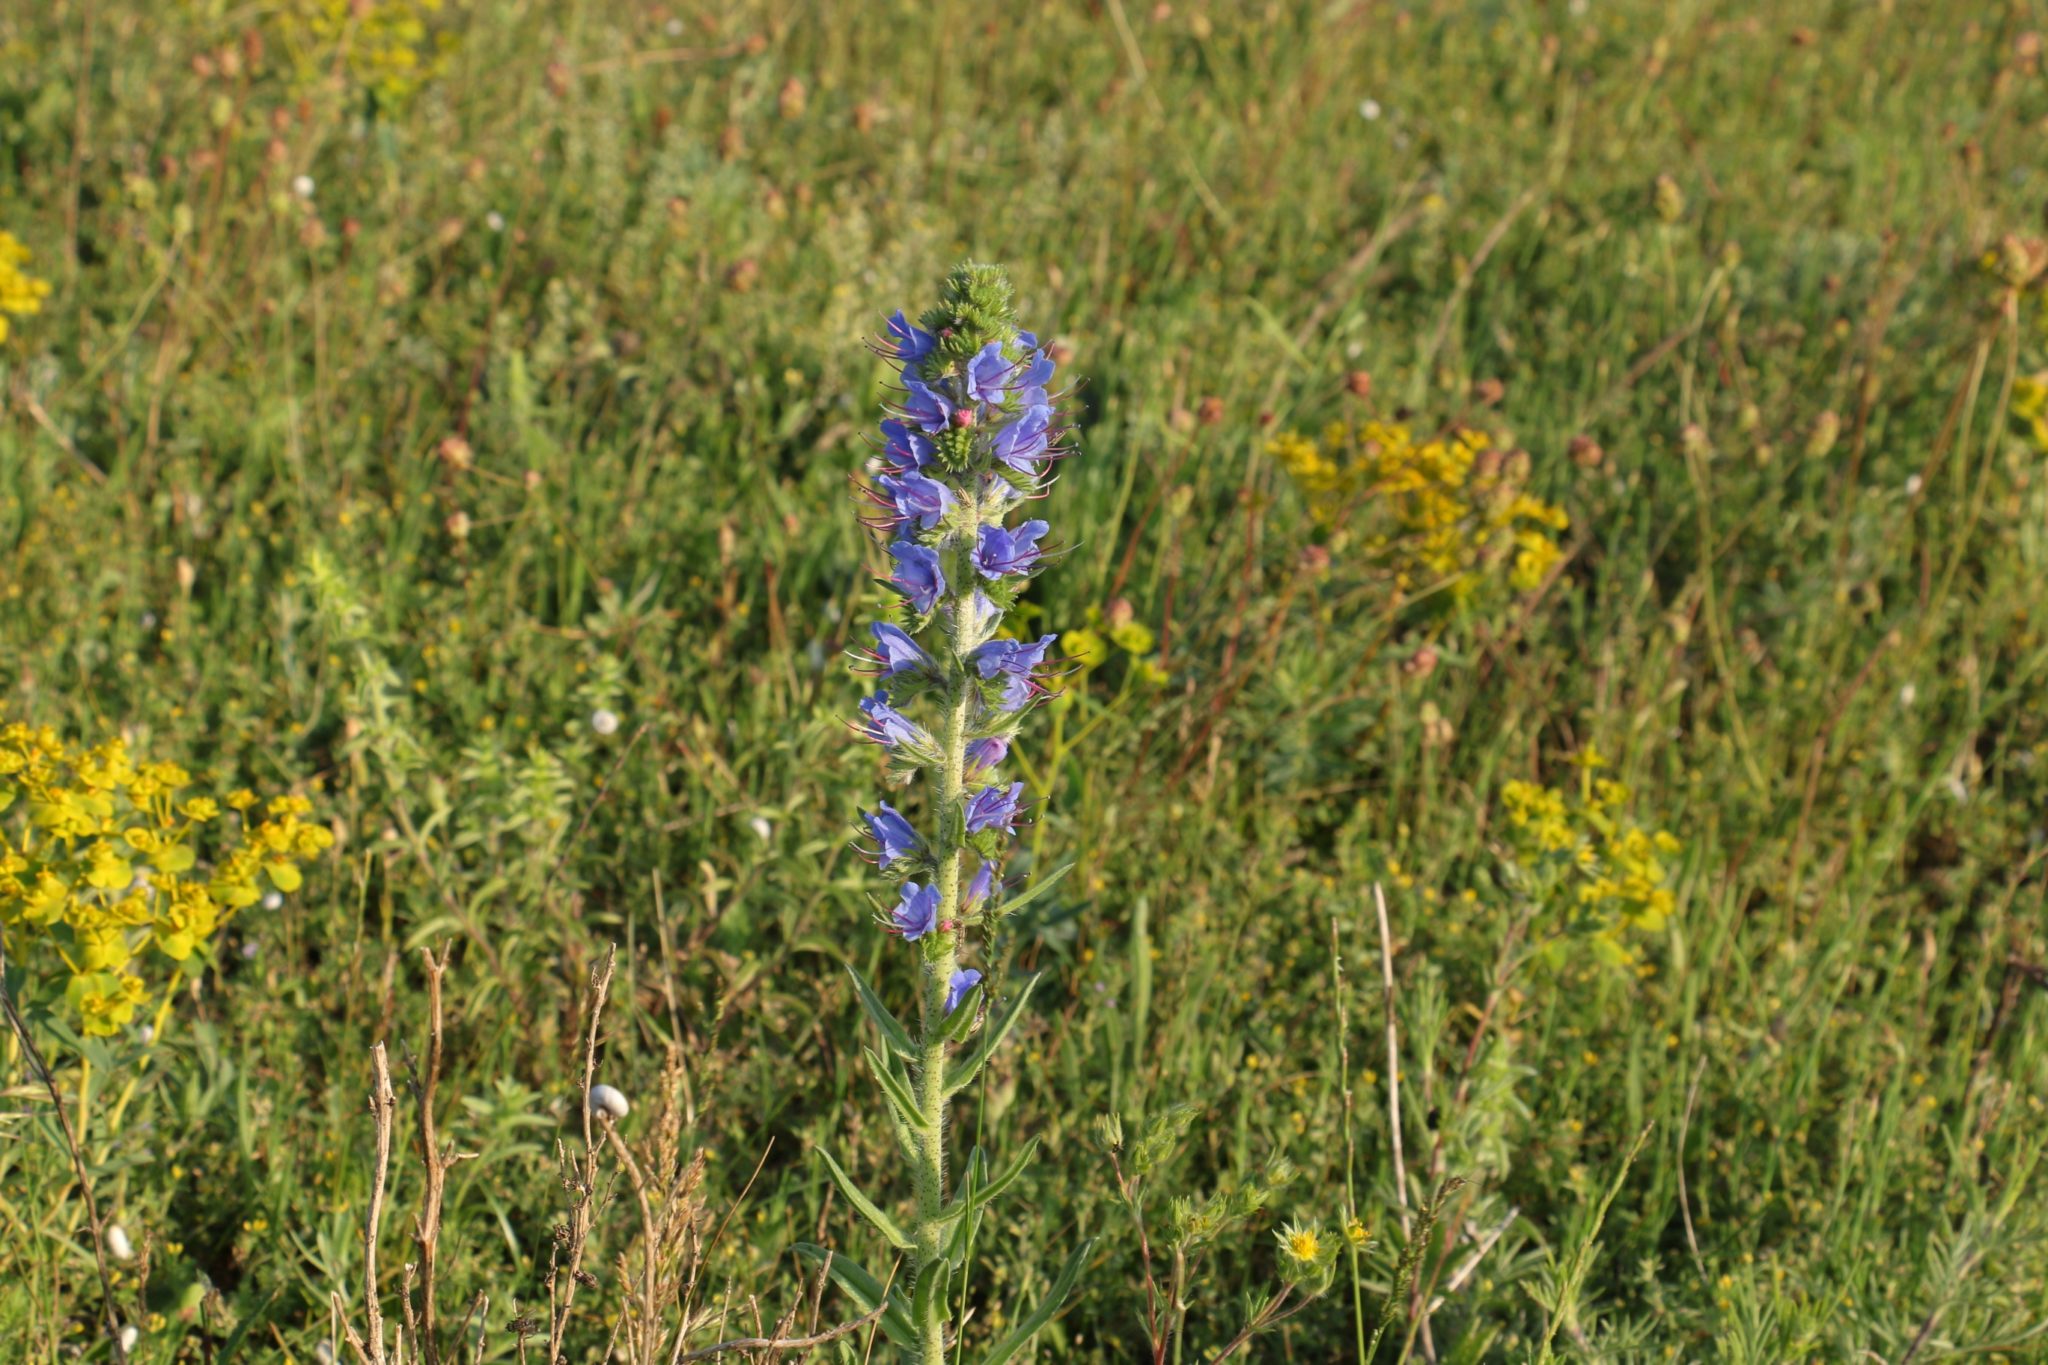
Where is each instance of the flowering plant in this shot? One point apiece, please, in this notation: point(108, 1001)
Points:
point(1603, 875)
point(20, 292)
point(1459, 513)
point(107, 864)
point(970, 439)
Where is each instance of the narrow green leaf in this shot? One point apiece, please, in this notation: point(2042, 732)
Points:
point(864, 1289)
point(893, 1086)
point(960, 1022)
point(995, 1189)
point(1062, 1286)
point(960, 1077)
point(893, 1032)
point(975, 1176)
point(1035, 890)
point(930, 1299)
point(882, 1221)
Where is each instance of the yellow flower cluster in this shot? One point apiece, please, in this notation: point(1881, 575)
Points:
point(20, 292)
point(1457, 508)
point(2030, 407)
point(1608, 871)
point(387, 43)
point(100, 860)
point(1094, 644)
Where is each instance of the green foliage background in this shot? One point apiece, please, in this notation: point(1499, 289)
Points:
point(627, 256)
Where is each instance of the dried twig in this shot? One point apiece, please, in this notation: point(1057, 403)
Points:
point(92, 1207)
point(580, 1179)
point(844, 1329)
point(382, 1103)
point(1379, 897)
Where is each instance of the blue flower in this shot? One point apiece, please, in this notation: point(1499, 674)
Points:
point(897, 652)
point(1015, 657)
point(1031, 384)
point(994, 807)
point(1000, 551)
point(906, 343)
point(905, 448)
point(893, 836)
point(984, 754)
point(917, 914)
point(1013, 661)
point(926, 406)
point(1022, 444)
point(889, 727)
point(964, 980)
point(918, 575)
point(987, 375)
point(917, 497)
point(978, 889)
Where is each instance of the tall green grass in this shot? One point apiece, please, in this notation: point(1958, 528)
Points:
point(227, 523)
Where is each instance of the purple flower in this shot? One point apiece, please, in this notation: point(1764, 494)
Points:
point(905, 448)
point(917, 914)
point(1015, 657)
point(986, 375)
point(994, 807)
point(1031, 384)
point(984, 754)
point(889, 727)
point(964, 980)
point(893, 836)
point(897, 652)
point(1022, 444)
point(926, 406)
point(1013, 661)
point(917, 497)
point(918, 575)
point(978, 889)
point(1001, 551)
point(906, 343)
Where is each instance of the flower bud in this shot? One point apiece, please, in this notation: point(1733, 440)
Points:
point(1488, 392)
point(455, 453)
point(1359, 384)
point(963, 417)
point(1585, 452)
point(1826, 428)
point(1210, 411)
point(457, 525)
point(1420, 664)
point(1667, 199)
point(792, 99)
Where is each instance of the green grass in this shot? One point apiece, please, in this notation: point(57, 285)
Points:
point(224, 528)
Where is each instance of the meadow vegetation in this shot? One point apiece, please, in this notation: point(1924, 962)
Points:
point(1552, 750)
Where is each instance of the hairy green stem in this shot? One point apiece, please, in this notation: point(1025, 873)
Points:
point(941, 959)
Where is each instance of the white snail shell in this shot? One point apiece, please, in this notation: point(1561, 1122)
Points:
point(605, 1100)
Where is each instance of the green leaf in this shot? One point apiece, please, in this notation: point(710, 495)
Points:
point(1035, 890)
point(929, 1301)
point(960, 1022)
point(864, 1289)
point(991, 1039)
point(900, 1098)
point(893, 1032)
point(1062, 1286)
point(997, 1188)
point(882, 1221)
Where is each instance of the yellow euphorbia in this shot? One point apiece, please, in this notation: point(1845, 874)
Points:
point(104, 863)
point(1447, 511)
